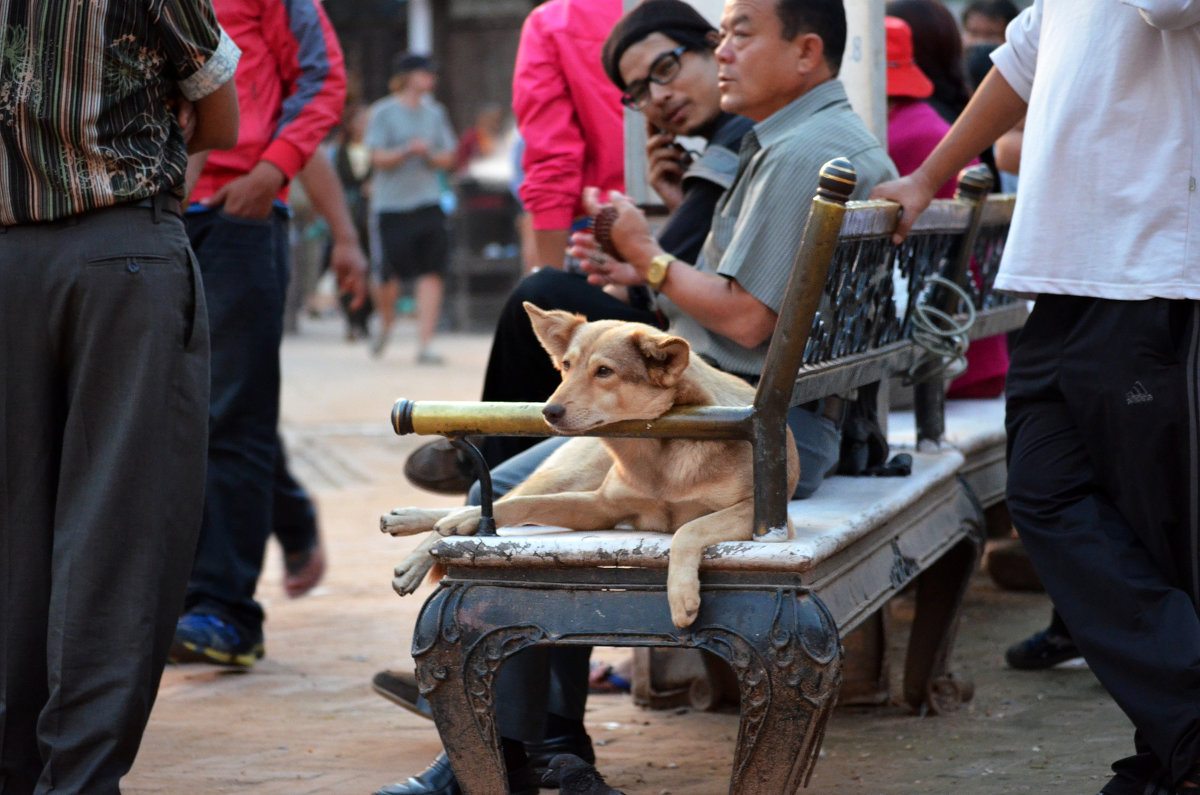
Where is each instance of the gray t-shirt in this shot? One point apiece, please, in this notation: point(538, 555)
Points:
point(758, 223)
point(413, 183)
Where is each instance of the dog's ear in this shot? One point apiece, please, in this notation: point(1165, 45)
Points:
point(666, 357)
point(553, 328)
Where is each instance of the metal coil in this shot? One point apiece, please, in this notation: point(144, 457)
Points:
point(942, 338)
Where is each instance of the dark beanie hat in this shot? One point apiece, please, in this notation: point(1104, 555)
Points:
point(672, 18)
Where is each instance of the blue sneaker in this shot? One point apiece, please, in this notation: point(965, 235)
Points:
point(200, 637)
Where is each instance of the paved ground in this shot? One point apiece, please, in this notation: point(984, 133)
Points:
point(305, 720)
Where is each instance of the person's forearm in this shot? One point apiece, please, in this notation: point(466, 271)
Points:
point(719, 304)
point(444, 161)
point(992, 111)
point(387, 159)
point(324, 191)
point(1008, 150)
point(551, 246)
point(194, 167)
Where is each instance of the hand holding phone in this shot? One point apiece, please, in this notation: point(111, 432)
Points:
point(665, 165)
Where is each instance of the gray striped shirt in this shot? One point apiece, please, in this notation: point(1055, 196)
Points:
point(758, 223)
point(85, 119)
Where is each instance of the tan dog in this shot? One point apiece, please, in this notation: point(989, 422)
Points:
point(703, 491)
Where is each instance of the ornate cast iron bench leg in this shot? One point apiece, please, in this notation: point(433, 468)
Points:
point(779, 640)
point(928, 683)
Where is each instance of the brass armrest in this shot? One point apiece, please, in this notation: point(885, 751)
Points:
point(463, 418)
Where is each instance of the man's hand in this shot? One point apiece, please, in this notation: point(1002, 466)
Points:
point(602, 270)
point(665, 169)
point(630, 233)
point(251, 195)
point(349, 265)
point(913, 193)
point(418, 147)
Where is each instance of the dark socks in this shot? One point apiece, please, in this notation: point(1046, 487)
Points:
point(558, 726)
point(520, 773)
point(514, 753)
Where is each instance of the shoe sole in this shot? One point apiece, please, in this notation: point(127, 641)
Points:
point(1042, 665)
point(399, 702)
point(190, 652)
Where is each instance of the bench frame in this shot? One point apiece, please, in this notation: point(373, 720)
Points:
point(773, 628)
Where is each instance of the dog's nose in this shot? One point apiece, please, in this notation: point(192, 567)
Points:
point(553, 411)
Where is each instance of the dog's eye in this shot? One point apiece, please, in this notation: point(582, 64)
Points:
point(566, 365)
point(603, 372)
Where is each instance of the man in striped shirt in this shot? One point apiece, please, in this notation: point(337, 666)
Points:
point(104, 388)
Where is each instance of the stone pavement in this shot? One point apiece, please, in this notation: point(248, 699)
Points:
point(305, 720)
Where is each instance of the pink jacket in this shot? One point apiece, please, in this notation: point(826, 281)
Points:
point(566, 109)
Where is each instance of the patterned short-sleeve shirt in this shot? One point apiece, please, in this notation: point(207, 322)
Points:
point(86, 90)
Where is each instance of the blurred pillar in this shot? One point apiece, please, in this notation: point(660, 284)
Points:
point(420, 27)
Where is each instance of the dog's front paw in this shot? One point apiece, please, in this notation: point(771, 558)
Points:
point(412, 570)
point(407, 521)
point(463, 522)
point(684, 600)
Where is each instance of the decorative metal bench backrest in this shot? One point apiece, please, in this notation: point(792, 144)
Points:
point(846, 321)
point(858, 328)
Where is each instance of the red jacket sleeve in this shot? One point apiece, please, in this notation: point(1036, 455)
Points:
point(314, 80)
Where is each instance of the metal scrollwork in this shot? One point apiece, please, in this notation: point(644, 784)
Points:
point(482, 662)
point(872, 290)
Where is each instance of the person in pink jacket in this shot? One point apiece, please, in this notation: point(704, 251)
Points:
point(569, 114)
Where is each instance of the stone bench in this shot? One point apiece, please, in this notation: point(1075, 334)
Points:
point(773, 610)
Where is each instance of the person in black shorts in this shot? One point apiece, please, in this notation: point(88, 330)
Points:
point(410, 142)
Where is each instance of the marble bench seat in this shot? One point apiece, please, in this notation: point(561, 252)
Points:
point(857, 540)
point(975, 428)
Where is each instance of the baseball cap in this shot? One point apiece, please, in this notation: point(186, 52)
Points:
point(413, 62)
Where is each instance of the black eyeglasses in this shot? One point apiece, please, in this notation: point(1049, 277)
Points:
point(664, 69)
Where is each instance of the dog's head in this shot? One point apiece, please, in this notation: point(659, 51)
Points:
point(611, 370)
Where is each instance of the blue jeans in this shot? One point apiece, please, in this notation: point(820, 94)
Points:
point(245, 267)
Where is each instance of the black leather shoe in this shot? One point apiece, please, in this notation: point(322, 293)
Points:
point(436, 466)
point(400, 688)
point(437, 779)
point(540, 754)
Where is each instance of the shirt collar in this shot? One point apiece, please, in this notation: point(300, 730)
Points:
point(782, 122)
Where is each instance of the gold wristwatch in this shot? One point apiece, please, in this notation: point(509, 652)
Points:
point(658, 270)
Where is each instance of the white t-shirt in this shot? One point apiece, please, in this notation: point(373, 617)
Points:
point(1108, 204)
